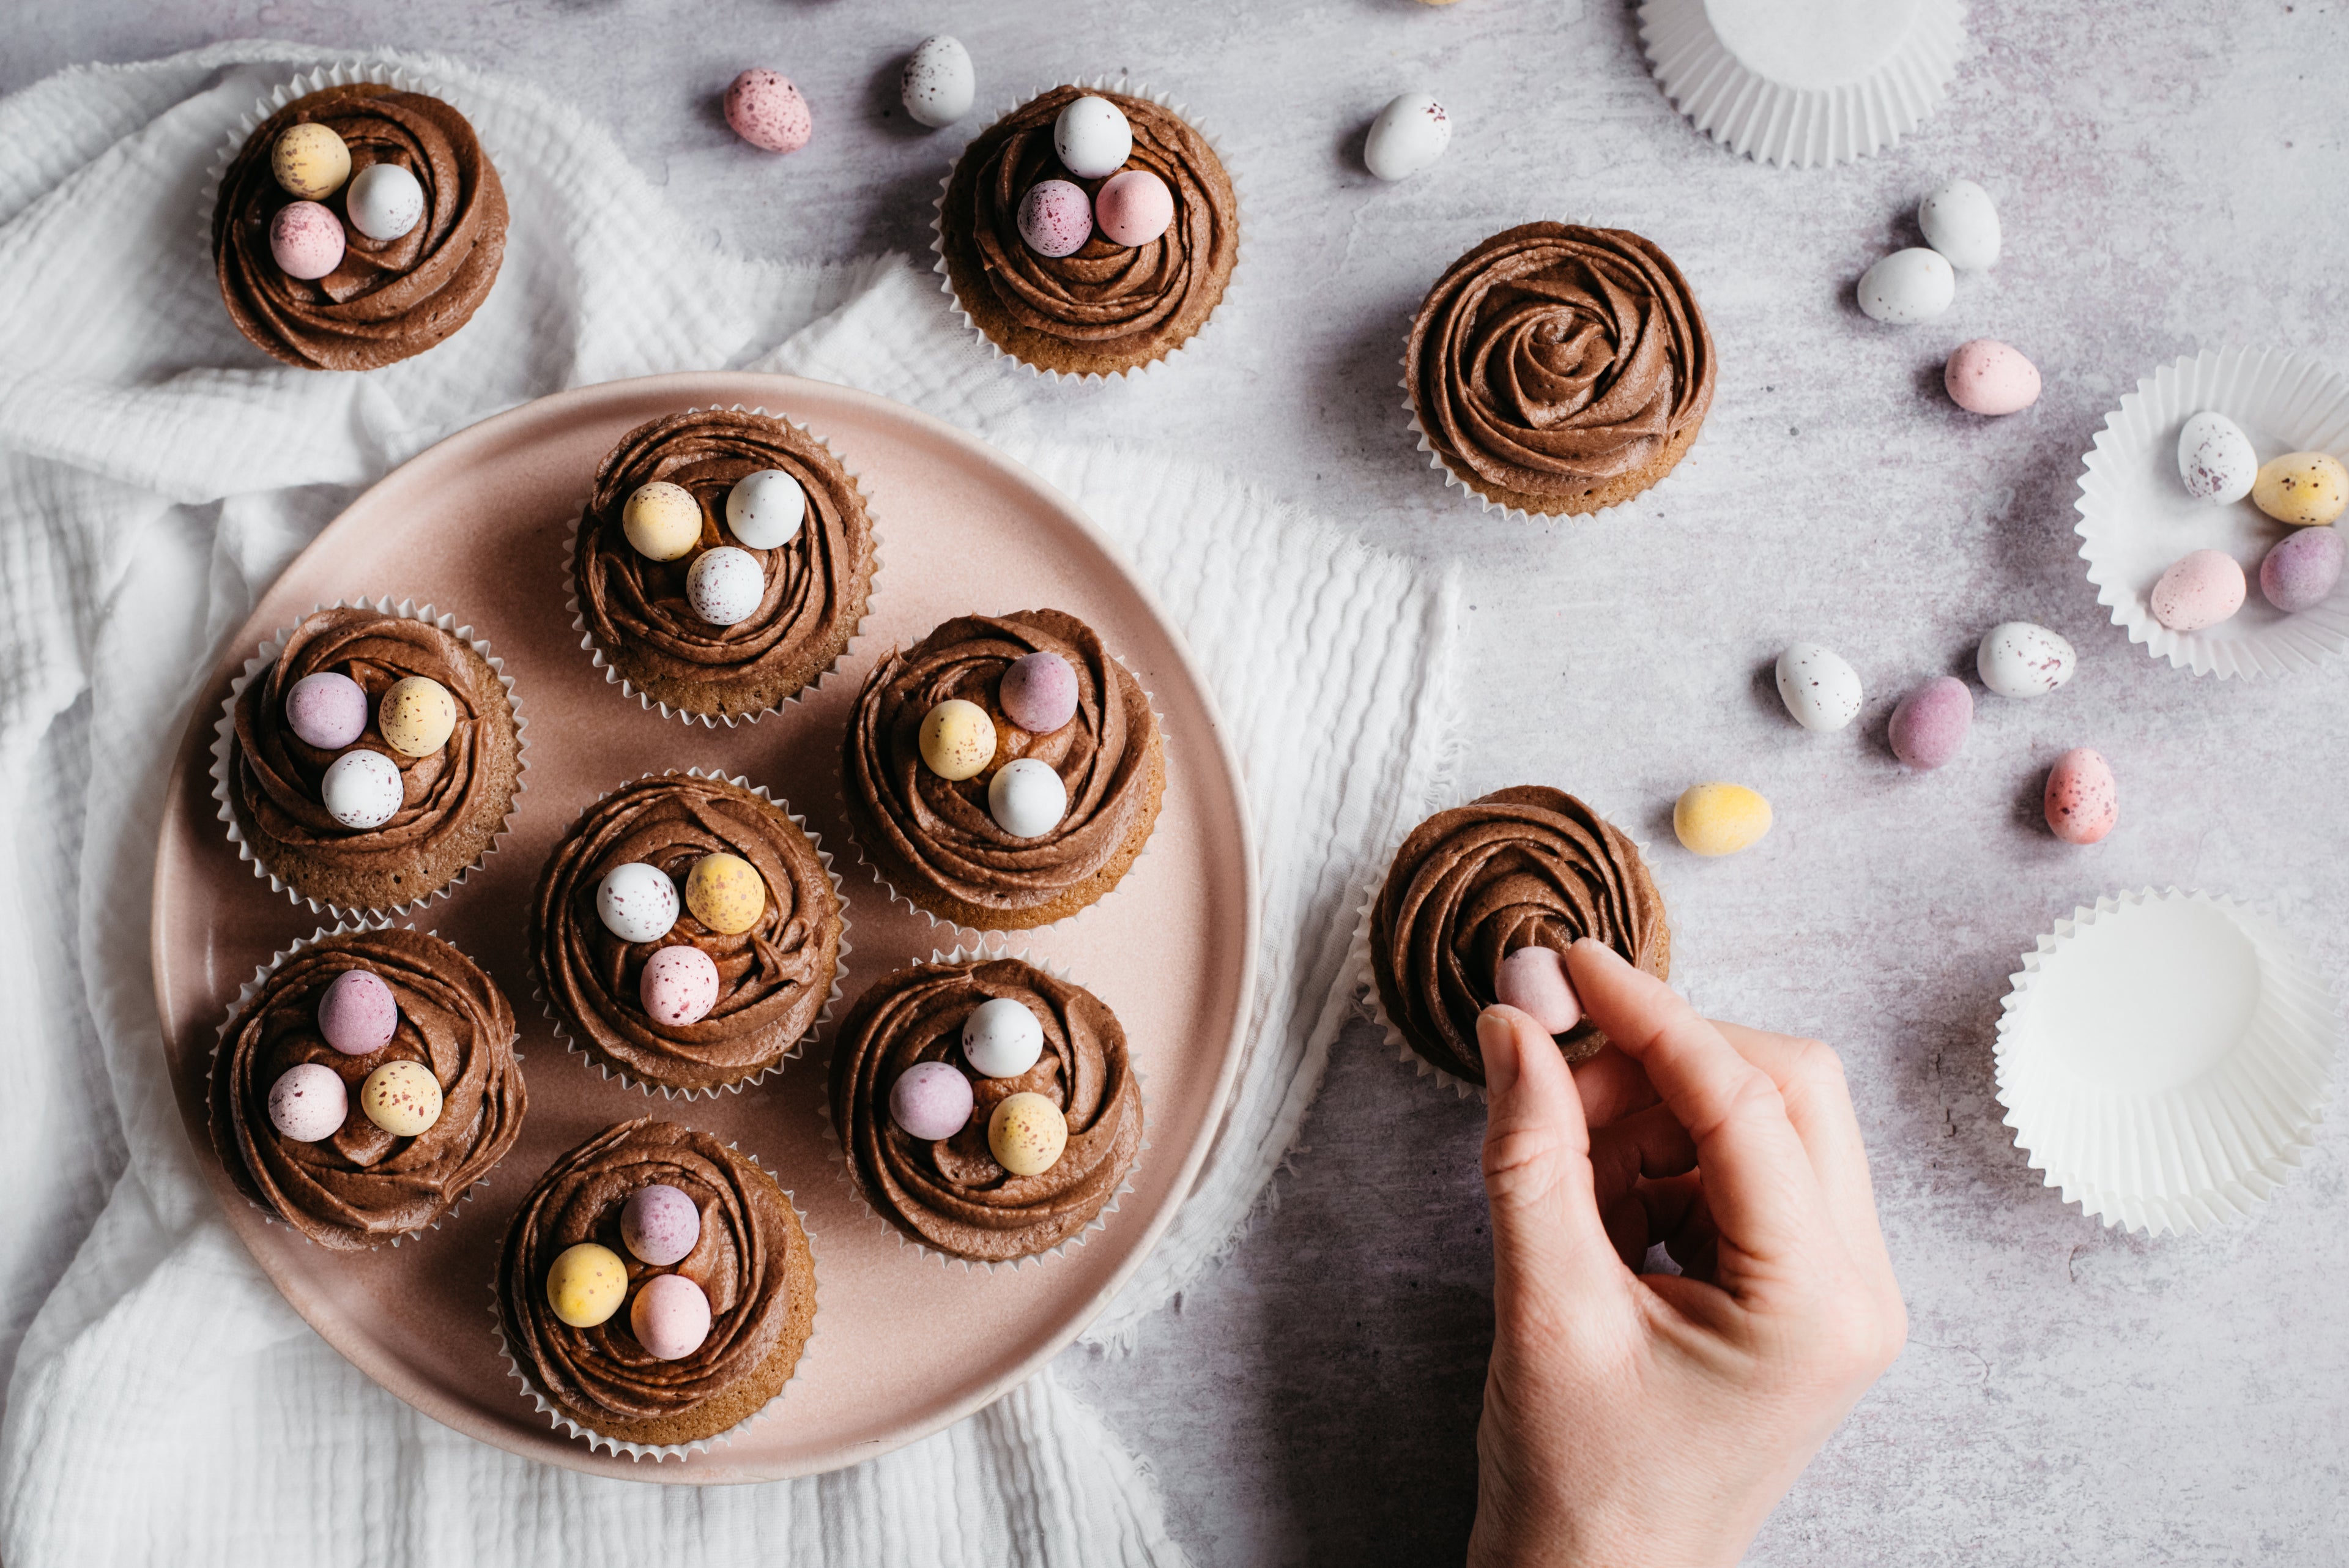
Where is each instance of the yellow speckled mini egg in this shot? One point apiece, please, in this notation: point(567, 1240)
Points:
point(586, 1285)
point(663, 521)
point(2302, 487)
point(310, 162)
point(415, 716)
point(726, 893)
point(1027, 1134)
point(958, 739)
point(1720, 818)
point(401, 1097)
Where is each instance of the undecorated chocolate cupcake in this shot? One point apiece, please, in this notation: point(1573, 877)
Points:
point(1004, 772)
point(656, 1286)
point(365, 1085)
point(986, 1108)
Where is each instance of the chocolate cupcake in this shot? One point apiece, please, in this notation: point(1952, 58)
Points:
point(386, 298)
point(1032, 694)
point(1100, 307)
point(1524, 868)
point(694, 993)
point(1558, 370)
point(600, 1342)
point(364, 1084)
point(741, 600)
point(955, 1157)
point(326, 802)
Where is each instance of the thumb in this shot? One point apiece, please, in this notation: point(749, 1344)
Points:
point(1546, 1232)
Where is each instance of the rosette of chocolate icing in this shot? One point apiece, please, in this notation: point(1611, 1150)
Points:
point(773, 978)
point(951, 1194)
point(364, 1186)
point(1520, 868)
point(389, 298)
point(1553, 358)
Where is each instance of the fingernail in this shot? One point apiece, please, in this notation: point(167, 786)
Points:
point(1496, 1042)
point(1592, 951)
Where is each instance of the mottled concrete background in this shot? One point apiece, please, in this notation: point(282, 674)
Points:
point(2170, 176)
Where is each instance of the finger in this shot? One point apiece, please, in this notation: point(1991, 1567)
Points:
point(1612, 1086)
point(1652, 1143)
point(1810, 1079)
point(1537, 1179)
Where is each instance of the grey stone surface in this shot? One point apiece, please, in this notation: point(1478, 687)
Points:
point(2170, 176)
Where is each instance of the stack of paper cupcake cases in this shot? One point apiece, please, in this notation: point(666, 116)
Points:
point(2137, 518)
point(2165, 1058)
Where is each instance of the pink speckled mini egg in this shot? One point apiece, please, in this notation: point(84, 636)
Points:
point(1987, 377)
point(2083, 798)
point(670, 1317)
point(2200, 590)
point(1533, 981)
point(307, 240)
point(661, 1224)
point(680, 986)
point(1056, 218)
point(1929, 726)
point(1134, 208)
point(1038, 692)
point(766, 111)
point(358, 1013)
point(2300, 573)
point(328, 710)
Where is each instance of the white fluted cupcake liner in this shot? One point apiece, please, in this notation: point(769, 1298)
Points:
point(1803, 84)
point(2137, 518)
point(792, 1052)
point(1239, 253)
point(2165, 1058)
point(644, 699)
point(223, 751)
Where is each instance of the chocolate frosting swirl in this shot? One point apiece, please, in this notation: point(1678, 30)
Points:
point(1529, 867)
point(364, 1186)
point(389, 299)
point(940, 832)
point(742, 1263)
point(773, 980)
point(951, 1195)
point(1553, 356)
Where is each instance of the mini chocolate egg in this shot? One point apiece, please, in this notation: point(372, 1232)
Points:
point(362, 789)
point(1533, 981)
point(1001, 1038)
point(307, 240)
point(1038, 692)
point(2303, 488)
point(939, 83)
point(358, 1013)
point(726, 893)
point(1027, 1134)
point(1409, 135)
point(1930, 725)
point(401, 1097)
point(958, 739)
point(637, 902)
point(1093, 138)
point(2215, 459)
point(2300, 571)
point(1715, 819)
point(680, 986)
point(585, 1284)
point(767, 111)
point(725, 586)
point(2082, 800)
point(661, 520)
point(417, 716)
point(308, 1103)
point(310, 162)
point(1133, 208)
point(2198, 590)
point(385, 202)
point(659, 1224)
point(328, 710)
point(1908, 286)
point(1962, 223)
point(1056, 218)
point(1027, 798)
point(1987, 377)
point(2017, 659)
point(766, 510)
point(931, 1101)
point(670, 1317)
point(1818, 687)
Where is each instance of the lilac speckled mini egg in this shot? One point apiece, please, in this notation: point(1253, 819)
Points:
point(1929, 726)
point(328, 710)
point(1056, 218)
point(680, 986)
point(670, 1317)
point(931, 1101)
point(2300, 571)
point(307, 240)
point(1038, 692)
point(661, 1224)
point(309, 1102)
point(358, 1013)
point(766, 111)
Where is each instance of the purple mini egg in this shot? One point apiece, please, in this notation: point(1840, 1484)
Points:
point(2300, 571)
point(1056, 218)
point(1930, 725)
point(670, 1317)
point(328, 710)
point(358, 1013)
point(308, 1103)
point(1038, 692)
point(307, 240)
point(1533, 981)
point(661, 1224)
point(931, 1101)
point(680, 986)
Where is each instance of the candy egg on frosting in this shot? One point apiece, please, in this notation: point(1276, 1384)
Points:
point(1820, 689)
point(1027, 798)
point(401, 1097)
point(939, 83)
point(417, 716)
point(586, 1285)
point(766, 510)
point(725, 586)
point(637, 902)
point(1410, 134)
point(659, 1224)
point(1930, 725)
point(358, 1013)
point(307, 241)
point(1908, 286)
point(661, 520)
point(1987, 377)
point(726, 893)
point(1038, 692)
point(2017, 659)
point(1001, 1038)
point(310, 162)
point(670, 1317)
point(680, 986)
point(308, 1103)
point(361, 790)
point(1715, 819)
point(767, 111)
point(385, 202)
point(2300, 571)
point(2215, 459)
point(1533, 981)
point(931, 1101)
point(958, 739)
point(2303, 488)
point(1056, 218)
point(2083, 802)
point(1961, 223)
point(2200, 590)
point(1027, 1134)
point(328, 710)
point(1093, 138)
point(1133, 208)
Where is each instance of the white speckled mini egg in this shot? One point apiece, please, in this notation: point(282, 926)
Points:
point(1908, 286)
point(1410, 134)
point(2215, 457)
point(725, 586)
point(938, 84)
point(1960, 222)
point(2017, 659)
point(1093, 138)
point(362, 789)
point(1001, 1038)
point(309, 1102)
point(637, 902)
point(1027, 798)
point(1819, 688)
point(766, 510)
point(385, 202)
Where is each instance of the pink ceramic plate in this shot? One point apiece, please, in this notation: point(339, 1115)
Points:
point(903, 1346)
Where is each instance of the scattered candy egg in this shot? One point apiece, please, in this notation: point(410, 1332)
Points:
point(307, 240)
point(1818, 688)
point(1720, 818)
point(1410, 134)
point(725, 586)
point(2083, 799)
point(2304, 488)
point(765, 510)
point(1027, 798)
point(1027, 1134)
point(1533, 981)
point(310, 162)
point(1962, 223)
point(361, 790)
point(1908, 286)
point(328, 710)
point(1987, 377)
point(1038, 692)
point(939, 83)
point(2300, 571)
point(931, 1101)
point(637, 902)
point(2198, 590)
point(309, 1102)
point(586, 1285)
point(958, 739)
point(385, 202)
point(659, 1224)
point(1929, 726)
point(2017, 659)
point(2215, 457)
point(767, 111)
point(670, 1317)
point(358, 1013)
point(680, 986)
point(1001, 1038)
point(1093, 138)
point(1056, 218)
point(417, 716)
point(401, 1097)
point(1134, 208)
point(661, 520)
point(726, 893)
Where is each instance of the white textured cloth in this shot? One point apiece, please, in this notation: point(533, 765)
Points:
point(155, 473)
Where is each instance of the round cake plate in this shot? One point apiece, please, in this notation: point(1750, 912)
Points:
point(903, 1346)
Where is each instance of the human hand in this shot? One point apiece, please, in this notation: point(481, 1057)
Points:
point(1650, 1420)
